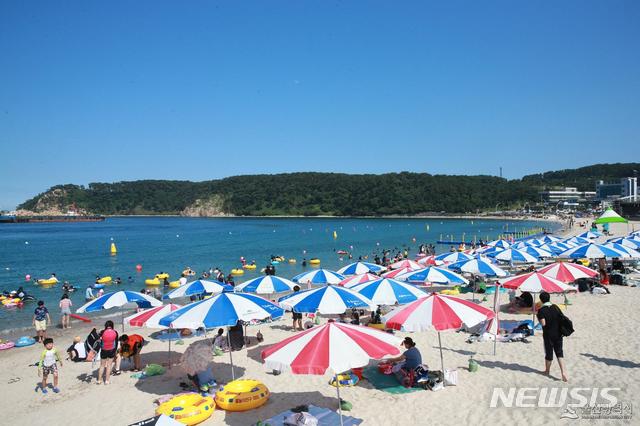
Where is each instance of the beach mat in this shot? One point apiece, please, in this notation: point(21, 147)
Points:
point(325, 417)
point(385, 383)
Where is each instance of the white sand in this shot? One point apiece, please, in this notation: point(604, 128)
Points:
point(603, 352)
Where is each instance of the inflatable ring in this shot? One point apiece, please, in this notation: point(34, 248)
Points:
point(345, 379)
point(98, 286)
point(49, 281)
point(275, 262)
point(188, 272)
point(237, 271)
point(174, 284)
point(242, 395)
point(153, 281)
point(188, 408)
point(6, 345)
point(378, 326)
point(25, 341)
point(104, 280)
point(453, 292)
point(162, 276)
point(292, 261)
point(251, 266)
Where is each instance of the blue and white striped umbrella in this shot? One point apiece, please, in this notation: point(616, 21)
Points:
point(488, 250)
point(538, 252)
point(433, 275)
point(499, 243)
point(318, 277)
point(576, 241)
point(520, 245)
point(514, 256)
point(387, 291)
point(479, 267)
point(590, 235)
point(590, 251)
point(325, 300)
point(631, 242)
point(453, 257)
point(118, 299)
point(358, 268)
point(223, 310)
point(198, 287)
point(548, 239)
point(267, 284)
point(627, 252)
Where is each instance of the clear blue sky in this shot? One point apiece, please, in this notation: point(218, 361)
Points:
point(108, 91)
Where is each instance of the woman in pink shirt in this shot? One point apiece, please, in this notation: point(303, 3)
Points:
point(65, 310)
point(109, 347)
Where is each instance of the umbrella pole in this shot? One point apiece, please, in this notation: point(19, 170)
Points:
point(441, 358)
point(533, 316)
point(233, 374)
point(169, 354)
point(339, 400)
point(122, 318)
point(495, 309)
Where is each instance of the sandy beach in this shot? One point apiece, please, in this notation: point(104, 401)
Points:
point(603, 352)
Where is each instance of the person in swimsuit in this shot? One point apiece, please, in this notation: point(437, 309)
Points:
point(65, 310)
point(109, 348)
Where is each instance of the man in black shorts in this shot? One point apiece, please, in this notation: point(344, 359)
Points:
point(549, 316)
point(297, 316)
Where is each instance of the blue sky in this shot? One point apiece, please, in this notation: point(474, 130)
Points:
point(108, 91)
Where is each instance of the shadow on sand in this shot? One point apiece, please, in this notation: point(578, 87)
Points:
point(612, 361)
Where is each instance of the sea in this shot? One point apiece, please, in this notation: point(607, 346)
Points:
point(78, 252)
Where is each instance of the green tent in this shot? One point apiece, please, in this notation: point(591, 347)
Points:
point(610, 216)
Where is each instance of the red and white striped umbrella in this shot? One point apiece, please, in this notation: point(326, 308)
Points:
point(149, 318)
point(358, 279)
point(405, 264)
point(398, 272)
point(535, 282)
point(333, 346)
point(567, 272)
point(430, 261)
point(437, 311)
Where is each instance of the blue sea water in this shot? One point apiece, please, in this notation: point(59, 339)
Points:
point(77, 252)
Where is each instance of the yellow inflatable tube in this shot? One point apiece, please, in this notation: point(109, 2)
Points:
point(188, 272)
point(49, 281)
point(242, 395)
point(249, 267)
point(153, 281)
point(452, 292)
point(104, 280)
point(237, 271)
point(162, 276)
point(174, 284)
point(314, 261)
point(292, 261)
point(188, 409)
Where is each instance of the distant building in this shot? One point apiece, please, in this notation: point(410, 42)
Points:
point(627, 187)
point(567, 195)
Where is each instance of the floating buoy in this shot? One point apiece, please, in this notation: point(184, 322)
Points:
point(114, 250)
point(335, 235)
point(138, 267)
point(27, 277)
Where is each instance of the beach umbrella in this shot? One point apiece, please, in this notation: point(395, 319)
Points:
point(433, 274)
point(118, 299)
point(590, 235)
point(535, 282)
point(223, 310)
point(632, 243)
point(358, 279)
point(515, 256)
point(386, 291)
point(327, 300)
point(590, 251)
point(453, 257)
point(610, 216)
point(267, 284)
point(333, 346)
point(553, 248)
point(357, 268)
point(318, 277)
point(576, 241)
point(547, 239)
point(567, 272)
point(197, 288)
point(150, 318)
point(538, 252)
point(499, 243)
point(520, 245)
point(197, 356)
point(479, 267)
point(488, 250)
point(395, 273)
point(161, 420)
point(429, 261)
point(406, 263)
point(627, 252)
point(437, 312)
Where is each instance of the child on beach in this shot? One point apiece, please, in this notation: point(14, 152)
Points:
point(40, 319)
point(48, 365)
point(65, 310)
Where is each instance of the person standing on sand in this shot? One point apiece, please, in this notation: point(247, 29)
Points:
point(549, 316)
point(65, 311)
point(40, 319)
point(109, 348)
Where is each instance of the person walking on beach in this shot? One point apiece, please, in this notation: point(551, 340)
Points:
point(109, 347)
point(48, 365)
point(40, 319)
point(65, 310)
point(549, 316)
point(297, 316)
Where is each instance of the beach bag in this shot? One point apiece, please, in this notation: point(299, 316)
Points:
point(566, 325)
point(301, 419)
point(451, 377)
